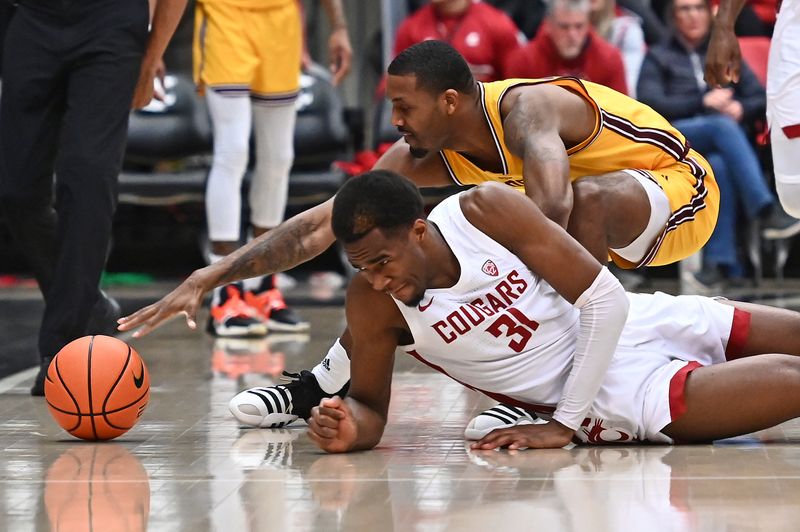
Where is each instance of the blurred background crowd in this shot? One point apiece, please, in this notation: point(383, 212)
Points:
point(653, 50)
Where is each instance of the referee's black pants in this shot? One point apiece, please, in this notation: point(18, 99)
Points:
point(68, 74)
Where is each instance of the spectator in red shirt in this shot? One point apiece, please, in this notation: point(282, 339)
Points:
point(566, 45)
point(483, 34)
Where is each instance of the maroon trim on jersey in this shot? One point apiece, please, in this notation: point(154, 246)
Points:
point(677, 389)
point(496, 138)
point(740, 332)
point(678, 150)
point(499, 397)
point(586, 142)
point(656, 137)
point(791, 132)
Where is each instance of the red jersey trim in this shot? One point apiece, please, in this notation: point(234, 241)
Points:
point(792, 132)
point(740, 332)
point(677, 390)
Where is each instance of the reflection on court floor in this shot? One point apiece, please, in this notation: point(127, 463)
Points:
point(187, 465)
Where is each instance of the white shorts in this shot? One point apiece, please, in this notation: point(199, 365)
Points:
point(783, 71)
point(664, 339)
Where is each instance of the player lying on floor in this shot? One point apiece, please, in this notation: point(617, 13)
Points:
point(490, 292)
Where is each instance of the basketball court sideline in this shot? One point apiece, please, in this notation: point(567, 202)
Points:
point(187, 465)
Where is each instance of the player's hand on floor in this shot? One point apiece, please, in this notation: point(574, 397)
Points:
point(332, 425)
point(185, 299)
point(550, 435)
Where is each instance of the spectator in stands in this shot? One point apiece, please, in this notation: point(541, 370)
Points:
point(566, 45)
point(483, 34)
point(623, 29)
point(529, 14)
point(526, 14)
point(671, 82)
point(654, 28)
point(755, 18)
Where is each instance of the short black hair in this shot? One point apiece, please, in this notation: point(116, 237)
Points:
point(378, 199)
point(437, 65)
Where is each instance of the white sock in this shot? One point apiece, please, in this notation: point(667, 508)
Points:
point(231, 118)
point(269, 186)
point(334, 370)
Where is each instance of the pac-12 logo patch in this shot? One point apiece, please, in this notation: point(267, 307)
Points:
point(490, 268)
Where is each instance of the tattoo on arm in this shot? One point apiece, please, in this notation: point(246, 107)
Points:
point(519, 124)
point(282, 248)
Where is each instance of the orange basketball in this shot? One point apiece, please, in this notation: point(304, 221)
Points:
point(97, 387)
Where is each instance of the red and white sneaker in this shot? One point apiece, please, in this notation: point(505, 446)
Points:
point(273, 309)
point(233, 317)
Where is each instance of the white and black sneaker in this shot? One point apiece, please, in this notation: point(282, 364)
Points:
point(277, 406)
point(498, 417)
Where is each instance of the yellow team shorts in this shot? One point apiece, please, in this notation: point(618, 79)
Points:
point(256, 50)
point(694, 198)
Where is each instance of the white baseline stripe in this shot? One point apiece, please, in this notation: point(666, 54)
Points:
point(10, 382)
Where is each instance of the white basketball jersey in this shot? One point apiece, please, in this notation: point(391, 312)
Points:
point(500, 329)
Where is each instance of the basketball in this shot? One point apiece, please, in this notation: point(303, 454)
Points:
point(97, 387)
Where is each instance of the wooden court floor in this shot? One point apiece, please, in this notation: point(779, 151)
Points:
point(188, 466)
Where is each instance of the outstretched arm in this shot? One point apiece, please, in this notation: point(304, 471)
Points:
point(357, 422)
point(724, 58)
point(548, 251)
point(293, 242)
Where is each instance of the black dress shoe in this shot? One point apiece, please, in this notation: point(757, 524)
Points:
point(37, 390)
point(105, 314)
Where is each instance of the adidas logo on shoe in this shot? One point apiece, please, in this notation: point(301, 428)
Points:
point(265, 407)
point(277, 406)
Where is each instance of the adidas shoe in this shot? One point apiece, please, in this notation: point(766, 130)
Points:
point(273, 309)
point(233, 317)
point(277, 406)
point(498, 417)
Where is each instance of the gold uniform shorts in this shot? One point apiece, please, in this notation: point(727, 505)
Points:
point(694, 200)
point(248, 50)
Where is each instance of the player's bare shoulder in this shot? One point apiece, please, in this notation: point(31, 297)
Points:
point(545, 107)
point(538, 98)
point(487, 202)
point(427, 171)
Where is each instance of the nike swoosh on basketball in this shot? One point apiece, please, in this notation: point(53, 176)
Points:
point(138, 381)
point(423, 308)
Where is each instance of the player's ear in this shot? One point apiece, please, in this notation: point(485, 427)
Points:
point(451, 99)
point(419, 229)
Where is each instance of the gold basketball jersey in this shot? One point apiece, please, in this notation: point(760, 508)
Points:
point(627, 135)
